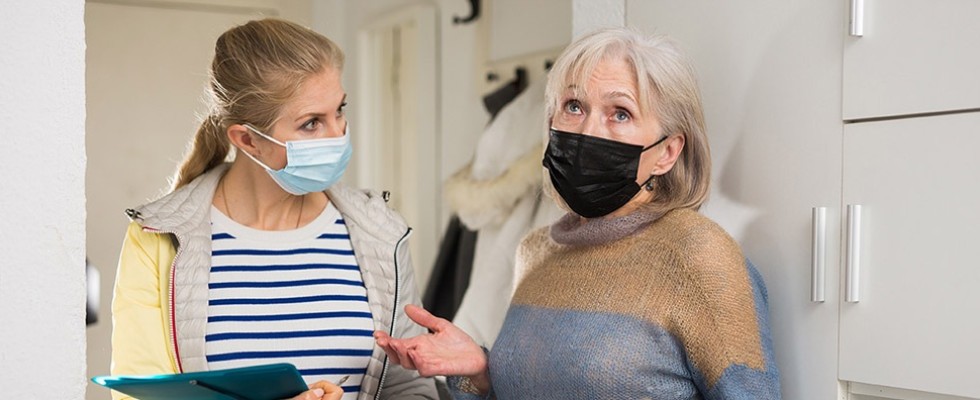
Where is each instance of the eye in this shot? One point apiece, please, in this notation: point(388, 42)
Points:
point(341, 110)
point(621, 116)
point(573, 107)
point(311, 125)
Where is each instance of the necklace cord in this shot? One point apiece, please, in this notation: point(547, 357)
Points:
point(224, 201)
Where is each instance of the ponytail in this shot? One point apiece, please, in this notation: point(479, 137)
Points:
point(209, 149)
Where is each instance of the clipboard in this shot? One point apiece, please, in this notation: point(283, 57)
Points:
point(263, 382)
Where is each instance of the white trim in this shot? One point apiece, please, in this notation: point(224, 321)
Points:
point(859, 389)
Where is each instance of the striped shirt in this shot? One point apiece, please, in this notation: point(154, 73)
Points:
point(288, 296)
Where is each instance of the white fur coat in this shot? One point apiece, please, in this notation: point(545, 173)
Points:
point(498, 194)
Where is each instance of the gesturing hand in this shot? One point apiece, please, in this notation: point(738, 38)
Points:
point(446, 351)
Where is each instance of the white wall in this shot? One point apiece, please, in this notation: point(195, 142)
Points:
point(42, 205)
point(521, 27)
point(589, 15)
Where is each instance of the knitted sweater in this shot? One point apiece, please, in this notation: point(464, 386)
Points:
point(634, 309)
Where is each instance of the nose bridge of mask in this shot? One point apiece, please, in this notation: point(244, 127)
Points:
point(303, 151)
point(580, 137)
point(286, 145)
point(614, 148)
point(316, 151)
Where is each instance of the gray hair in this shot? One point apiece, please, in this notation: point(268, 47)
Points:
point(667, 87)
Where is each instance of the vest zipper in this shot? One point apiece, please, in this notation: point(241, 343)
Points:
point(173, 316)
point(135, 215)
point(172, 334)
point(394, 314)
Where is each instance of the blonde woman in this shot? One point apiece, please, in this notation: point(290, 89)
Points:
point(633, 294)
point(268, 259)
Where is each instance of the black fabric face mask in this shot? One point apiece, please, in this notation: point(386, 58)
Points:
point(594, 176)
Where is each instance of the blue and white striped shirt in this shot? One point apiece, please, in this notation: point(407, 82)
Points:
point(288, 296)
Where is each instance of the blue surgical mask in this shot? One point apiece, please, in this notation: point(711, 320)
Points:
point(312, 165)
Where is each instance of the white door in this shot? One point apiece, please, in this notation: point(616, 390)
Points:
point(915, 56)
point(770, 78)
point(917, 322)
point(146, 70)
point(397, 141)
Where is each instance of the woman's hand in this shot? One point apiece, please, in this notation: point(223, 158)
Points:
point(321, 390)
point(446, 351)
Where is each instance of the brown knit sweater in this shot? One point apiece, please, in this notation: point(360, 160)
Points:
point(668, 309)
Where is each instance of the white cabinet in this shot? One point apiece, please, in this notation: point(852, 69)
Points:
point(910, 163)
point(917, 323)
point(915, 56)
point(779, 79)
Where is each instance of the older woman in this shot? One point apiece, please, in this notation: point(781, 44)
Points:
point(633, 294)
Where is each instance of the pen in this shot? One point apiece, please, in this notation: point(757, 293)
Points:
point(342, 380)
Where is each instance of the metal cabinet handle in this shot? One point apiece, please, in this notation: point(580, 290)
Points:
point(857, 18)
point(818, 261)
point(852, 264)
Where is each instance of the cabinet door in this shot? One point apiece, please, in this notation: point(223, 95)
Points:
point(772, 104)
point(917, 324)
point(916, 56)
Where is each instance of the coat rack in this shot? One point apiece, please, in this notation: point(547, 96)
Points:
point(474, 14)
point(522, 69)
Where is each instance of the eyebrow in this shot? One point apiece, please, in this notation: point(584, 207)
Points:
point(611, 95)
point(618, 94)
point(318, 114)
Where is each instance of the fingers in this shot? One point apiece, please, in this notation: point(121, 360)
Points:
point(396, 349)
point(401, 348)
point(318, 394)
point(327, 390)
point(424, 318)
point(384, 341)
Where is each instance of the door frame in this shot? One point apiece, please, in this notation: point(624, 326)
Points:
point(427, 191)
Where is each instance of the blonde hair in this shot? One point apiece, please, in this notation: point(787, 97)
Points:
point(257, 68)
point(667, 88)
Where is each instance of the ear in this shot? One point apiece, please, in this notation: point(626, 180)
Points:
point(240, 137)
point(672, 148)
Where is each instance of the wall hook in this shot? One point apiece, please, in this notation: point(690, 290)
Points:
point(474, 14)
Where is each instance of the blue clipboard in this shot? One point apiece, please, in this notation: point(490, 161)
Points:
point(263, 382)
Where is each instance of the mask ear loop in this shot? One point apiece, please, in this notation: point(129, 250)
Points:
point(655, 143)
point(648, 184)
point(272, 139)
